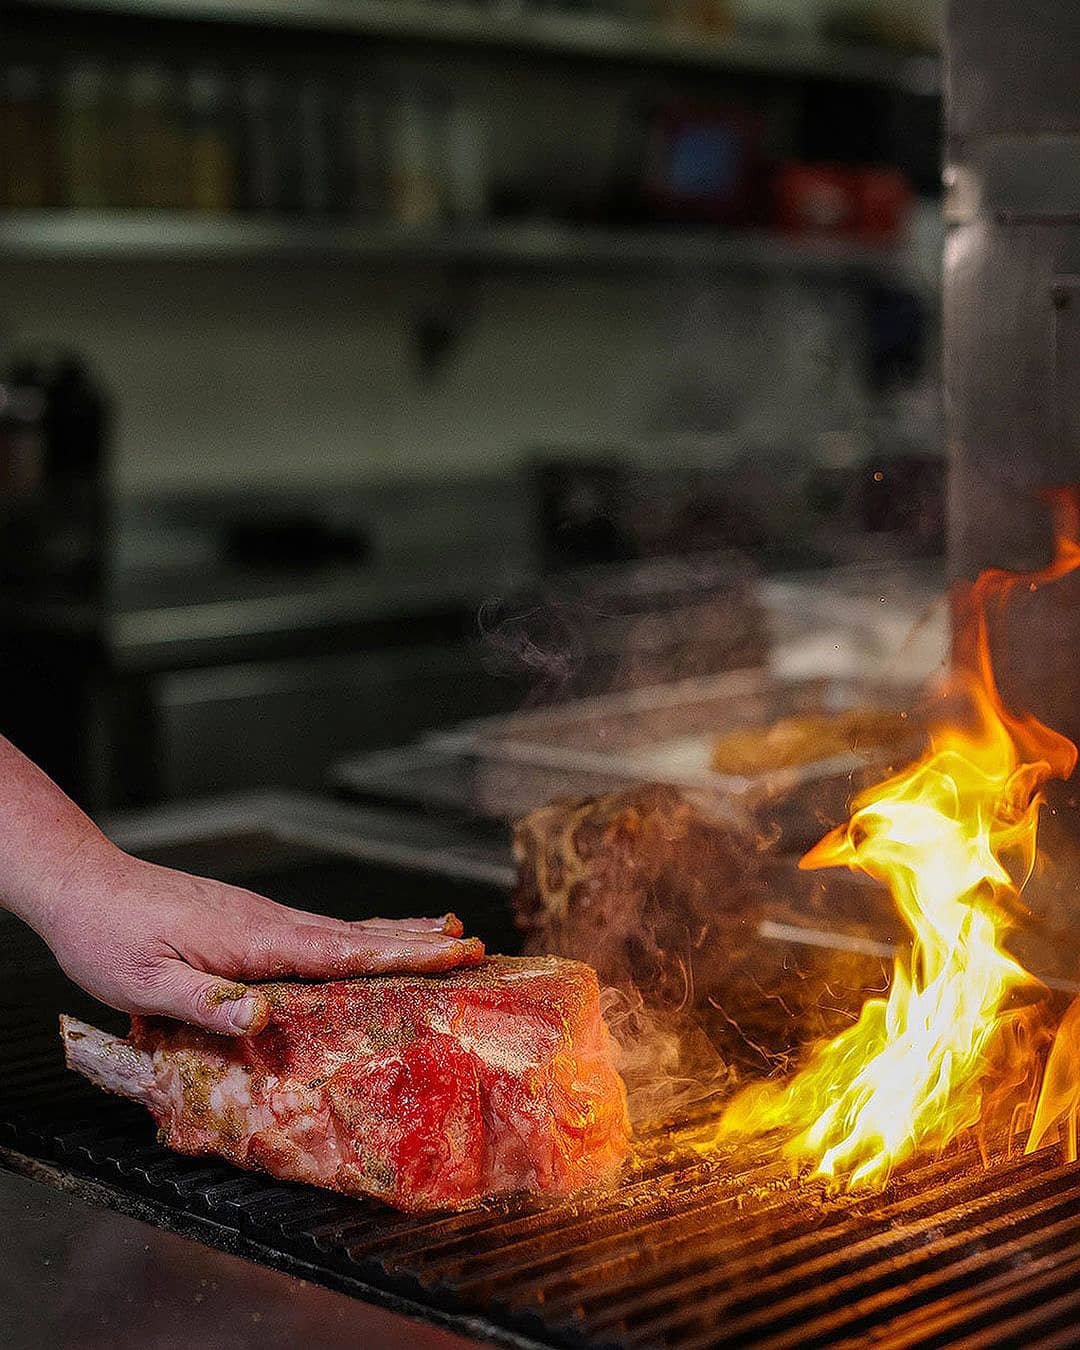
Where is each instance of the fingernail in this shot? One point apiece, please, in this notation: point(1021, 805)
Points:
point(243, 1012)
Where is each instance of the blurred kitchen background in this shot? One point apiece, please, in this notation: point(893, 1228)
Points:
point(367, 366)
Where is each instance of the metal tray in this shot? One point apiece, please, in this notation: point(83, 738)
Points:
point(666, 734)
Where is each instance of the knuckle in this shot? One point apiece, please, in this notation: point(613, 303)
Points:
point(339, 952)
point(201, 1002)
point(258, 945)
point(145, 974)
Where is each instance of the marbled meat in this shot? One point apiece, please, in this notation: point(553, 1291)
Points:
point(427, 1092)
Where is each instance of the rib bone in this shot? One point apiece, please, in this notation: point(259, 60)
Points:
point(108, 1061)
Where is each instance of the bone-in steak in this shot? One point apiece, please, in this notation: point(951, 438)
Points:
point(428, 1092)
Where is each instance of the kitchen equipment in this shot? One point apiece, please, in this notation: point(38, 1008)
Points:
point(627, 625)
point(689, 1249)
point(858, 627)
point(1012, 322)
point(197, 673)
point(580, 502)
point(668, 734)
point(54, 432)
point(71, 1247)
point(78, 431)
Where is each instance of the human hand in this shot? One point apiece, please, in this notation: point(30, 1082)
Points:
point(150, 940)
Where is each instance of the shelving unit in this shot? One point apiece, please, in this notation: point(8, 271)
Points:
point(164, 236)
point(565, 35)
point(477, 26)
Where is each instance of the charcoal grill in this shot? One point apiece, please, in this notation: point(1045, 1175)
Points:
point(687, 1251)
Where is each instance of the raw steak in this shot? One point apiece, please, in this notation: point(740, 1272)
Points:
point(428, 1092)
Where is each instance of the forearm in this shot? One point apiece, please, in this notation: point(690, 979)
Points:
point(149, 940)
point(44, 837)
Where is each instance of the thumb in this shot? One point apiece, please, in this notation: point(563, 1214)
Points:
point(207, 1001)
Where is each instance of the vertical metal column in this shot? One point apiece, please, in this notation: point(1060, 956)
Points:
point(1012, 317)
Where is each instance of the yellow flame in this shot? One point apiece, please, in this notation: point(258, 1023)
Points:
point(954, 839)
point(1058, 1109)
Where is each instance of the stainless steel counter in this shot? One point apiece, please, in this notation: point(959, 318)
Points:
point(178, 593)
point(78, 1277)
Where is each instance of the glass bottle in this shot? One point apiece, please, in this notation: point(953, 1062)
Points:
point(158, 145)
point(260, 164)
point(81, 138)
point(24, 138)
point(212, 161)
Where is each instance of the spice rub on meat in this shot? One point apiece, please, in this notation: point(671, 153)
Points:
point(427, 1092)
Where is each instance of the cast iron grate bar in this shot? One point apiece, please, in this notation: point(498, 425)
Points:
point(684, 1253)
point(794, 1278)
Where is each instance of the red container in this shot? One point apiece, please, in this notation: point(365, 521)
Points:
point(884, 201)
point(837, 199)
point(817, 199)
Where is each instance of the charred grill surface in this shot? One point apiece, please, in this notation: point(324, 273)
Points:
point(683, 1253)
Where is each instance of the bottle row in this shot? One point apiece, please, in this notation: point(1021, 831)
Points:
point(93, 136)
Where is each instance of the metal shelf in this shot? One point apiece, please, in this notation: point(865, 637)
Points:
point(169, 236)
point(555, 34)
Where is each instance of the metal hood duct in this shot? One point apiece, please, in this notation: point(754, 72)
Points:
point(1012, 319)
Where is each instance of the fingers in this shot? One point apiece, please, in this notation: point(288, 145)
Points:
point(231, 1009)
point(335, 951)
point(393, 959)
point(207, 1001)
point(449, 924)
point(446, 923)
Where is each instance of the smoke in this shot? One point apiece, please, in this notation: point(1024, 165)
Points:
point(667, 1059)
point(661, 898)
point(666, 899)
point(607, 628)
point(663, 891)
point(541, 644)
point(652, 892)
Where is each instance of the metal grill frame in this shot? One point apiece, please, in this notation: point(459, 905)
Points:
point(690, 1252)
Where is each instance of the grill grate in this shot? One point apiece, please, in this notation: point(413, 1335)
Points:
point(683, 1253)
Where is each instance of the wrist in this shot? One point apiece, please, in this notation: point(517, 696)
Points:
point(49, 890)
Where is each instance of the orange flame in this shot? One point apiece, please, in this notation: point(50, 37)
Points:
point(1058, 1108)
point(954, 838)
